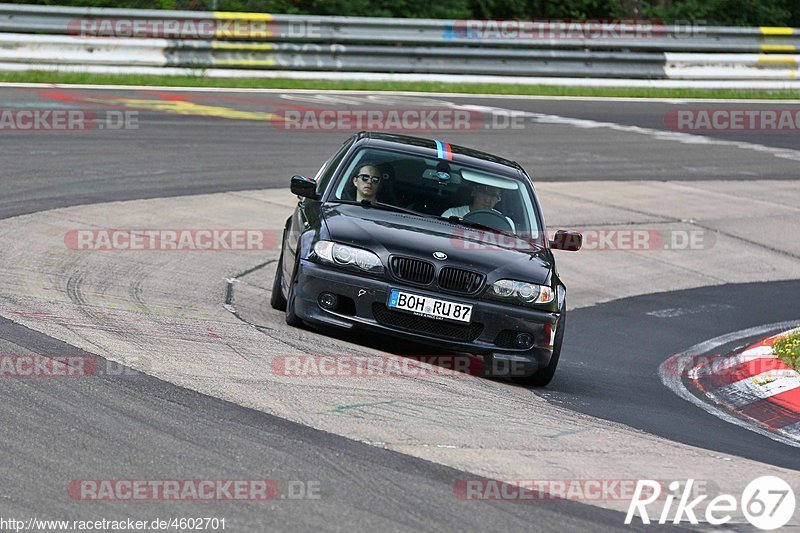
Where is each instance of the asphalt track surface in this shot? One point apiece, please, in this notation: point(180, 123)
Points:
point(616, 348)
point(173, 154)
point(148, 428)
point(135, 426)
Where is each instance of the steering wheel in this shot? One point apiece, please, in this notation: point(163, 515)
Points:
point(489, 217)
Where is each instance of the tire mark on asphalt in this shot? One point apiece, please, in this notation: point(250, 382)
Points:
point(74, 288)
point(229, 290)
point(274, 334)
point(135, 291)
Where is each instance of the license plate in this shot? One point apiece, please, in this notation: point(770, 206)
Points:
point(429, 307)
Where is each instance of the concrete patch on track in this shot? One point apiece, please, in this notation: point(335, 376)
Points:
point(731, 223)
point(163, 312)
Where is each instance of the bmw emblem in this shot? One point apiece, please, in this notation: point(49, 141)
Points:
point(441, 256)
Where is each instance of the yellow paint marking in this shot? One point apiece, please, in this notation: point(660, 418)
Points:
point(249, 33)
point(233, 25)
point(182, 107)
point(772, 30)
point(778, 59)
point(778, 48)
point(217, 45)
point(232, 15)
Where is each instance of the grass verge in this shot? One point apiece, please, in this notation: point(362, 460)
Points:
point(788, 349)
point(500, 89)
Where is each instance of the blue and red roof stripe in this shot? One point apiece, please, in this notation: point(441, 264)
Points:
point(443, 151)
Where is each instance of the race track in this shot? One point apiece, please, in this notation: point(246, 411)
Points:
point(200, 399)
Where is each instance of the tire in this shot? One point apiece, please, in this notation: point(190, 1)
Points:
point(543, 376)
point(277, 301)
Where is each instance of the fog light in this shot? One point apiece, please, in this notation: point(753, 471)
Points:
point(524, 340)
point(328, 300)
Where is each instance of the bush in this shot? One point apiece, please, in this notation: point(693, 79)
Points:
point(788, 349)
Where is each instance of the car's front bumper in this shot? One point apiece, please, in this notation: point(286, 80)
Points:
point(491, 333)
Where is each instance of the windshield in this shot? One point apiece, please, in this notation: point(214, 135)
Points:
point(437, 188)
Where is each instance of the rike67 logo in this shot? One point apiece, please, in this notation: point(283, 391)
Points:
point(767, 502)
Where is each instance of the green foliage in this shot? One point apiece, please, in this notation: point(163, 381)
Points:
point(344, 85)
point(711, 12)
point(788, 349)
point(529, 9)
point(728, 12)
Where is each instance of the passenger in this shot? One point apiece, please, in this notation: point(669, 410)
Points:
point(368, 183)
point(483, 197)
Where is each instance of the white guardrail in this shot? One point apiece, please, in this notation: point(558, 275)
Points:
point(263, 45)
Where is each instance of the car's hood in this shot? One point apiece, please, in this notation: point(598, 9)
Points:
point(388, 232)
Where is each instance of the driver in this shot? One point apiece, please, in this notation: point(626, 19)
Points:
point(483, 197)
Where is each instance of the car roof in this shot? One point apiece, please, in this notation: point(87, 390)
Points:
point(438, 149)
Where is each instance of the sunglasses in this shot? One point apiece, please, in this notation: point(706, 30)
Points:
point(366, 177)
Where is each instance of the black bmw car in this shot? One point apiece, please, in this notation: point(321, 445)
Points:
point(429, 241)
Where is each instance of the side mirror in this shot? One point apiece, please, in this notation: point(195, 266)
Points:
point(305, 187)
point(570, 241)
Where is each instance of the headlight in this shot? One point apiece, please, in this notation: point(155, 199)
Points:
point(334, 253)
point(527, 293)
